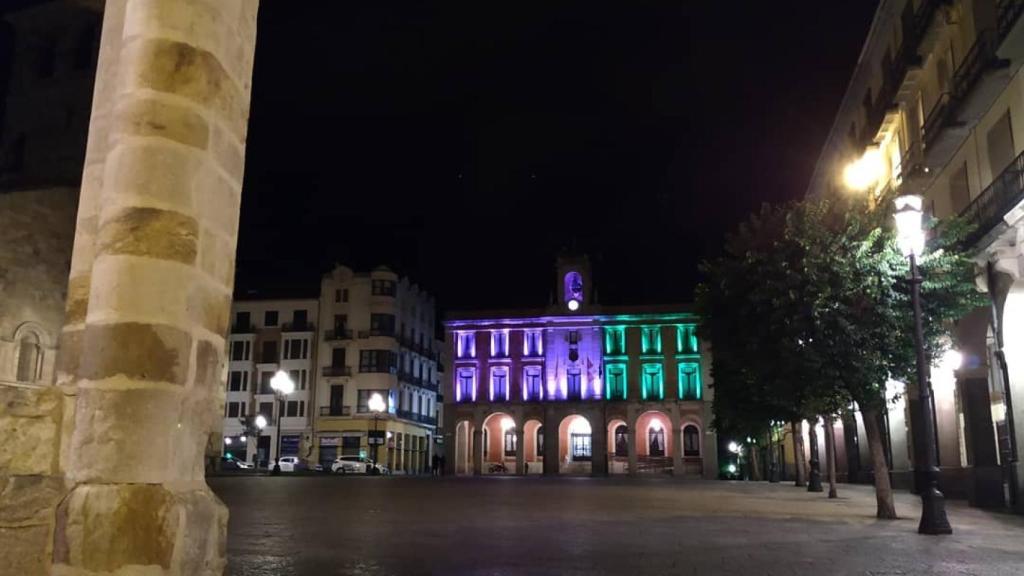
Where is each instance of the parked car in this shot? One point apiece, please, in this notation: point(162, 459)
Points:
point(234, 464)
point(357, 465)
point(291, 464)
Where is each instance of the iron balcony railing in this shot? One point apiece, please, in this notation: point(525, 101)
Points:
point(329, 371)
point(335, 410)
point(986, 211)
point(337, 334)
point(373, 333)
point(1007, 13)
point(975, 63)
point(416, 417)
point(243, 329)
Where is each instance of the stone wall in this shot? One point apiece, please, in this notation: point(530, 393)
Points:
point(36, 232)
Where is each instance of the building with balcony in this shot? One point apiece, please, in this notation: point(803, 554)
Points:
point(936, 108)
point(268, 336)
point(378, 337)
point(578, 388)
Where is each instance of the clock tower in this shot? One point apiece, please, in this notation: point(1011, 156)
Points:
point(575, 291)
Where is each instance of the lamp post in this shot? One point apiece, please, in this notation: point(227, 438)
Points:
point(910, 238)
point(261, 423)
point(282, 385)
point(773, 464)
point(376, 405)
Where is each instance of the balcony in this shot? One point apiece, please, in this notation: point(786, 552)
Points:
point(298, 327)
point(335, 371)
point(243, 329)
point(416, 417)
point(987, 212)
point(376, 333)
point(335, 410)
point(337, 334)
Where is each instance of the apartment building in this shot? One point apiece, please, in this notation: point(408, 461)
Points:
point(936, 108)
point(378, 337)
point(268, 336)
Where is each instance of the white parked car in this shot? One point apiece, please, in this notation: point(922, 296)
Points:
point(290, 463)
point(357, 465)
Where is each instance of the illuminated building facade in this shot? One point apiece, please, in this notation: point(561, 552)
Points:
point(578, 388)
point(936, 108)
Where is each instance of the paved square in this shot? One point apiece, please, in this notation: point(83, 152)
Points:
point(567, 526)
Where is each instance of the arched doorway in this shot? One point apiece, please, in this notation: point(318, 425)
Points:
point(654, 443)
point(533, 447)
point(693, 460)
point(618, 446)
point(500, 442)
point(463, 441)
point(575, 445)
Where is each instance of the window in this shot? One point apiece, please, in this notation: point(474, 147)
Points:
point(656, 439)
point(337, 295)
point(338, 357)
point(270, 318)
point(466, 345)
point(691, 441)
point(615, 340)
point(653, 384)
point(959, 189)
point(236, 409)
point(532, 343)
point(499, 384)
point(532, 390)
point(499, 343)
point(337, 399)
point(265, 382)
point(267, 411)
point(296, 349)
point(296, 376)
point(581, 449)
point(650, 340)
point(363, 404)
point(235, 383)
point(299, 319)
point(621, 440)
point(574, 386)
point(465, 389)
point(574, 337)
point(240, 350)
point(540, 441)
point(510, 442)
point(382, 324)
point(689, 381)
point(1000, 145)
point(344, 295)
point(269, 355)
point(242, 321)
point(29, 353)
point(686, 339)
point(615, 381)
point(291, 409)
point(377, 361)
point(350, 445)
point(383, 288)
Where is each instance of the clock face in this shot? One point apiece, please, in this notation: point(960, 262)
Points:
point(574, 305)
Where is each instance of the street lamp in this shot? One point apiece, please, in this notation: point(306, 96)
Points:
point(261, 423)
point(910, 238)
point(282, 386)
point(376, 405)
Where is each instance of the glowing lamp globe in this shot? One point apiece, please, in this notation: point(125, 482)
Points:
point(261, 422)
point(227, 441)
point(731, 468)
point(242, 438)
point(282, 383)
point(573, 305)
point(909, 234)
point(376, 403)
point(507, 424)
point(656, 425)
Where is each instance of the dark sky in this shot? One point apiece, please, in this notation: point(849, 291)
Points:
point(464, 145)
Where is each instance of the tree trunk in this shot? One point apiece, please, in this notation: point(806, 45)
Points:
point(883, 488)
point(755, 464)
point(830, 456)
point(798, 454)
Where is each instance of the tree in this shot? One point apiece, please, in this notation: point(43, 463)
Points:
point(809, 309)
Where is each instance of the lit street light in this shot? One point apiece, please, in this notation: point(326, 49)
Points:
point(376, 405)
point(910, 238)
point(261, 423)
point(282, 385)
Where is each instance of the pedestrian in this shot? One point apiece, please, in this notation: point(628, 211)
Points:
point(441, 466)
point(435, 463)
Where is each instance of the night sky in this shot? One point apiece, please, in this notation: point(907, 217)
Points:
point(464, 145)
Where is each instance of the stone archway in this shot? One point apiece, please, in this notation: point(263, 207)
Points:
point(148, 298)
point(533, 446)
point(655, 442)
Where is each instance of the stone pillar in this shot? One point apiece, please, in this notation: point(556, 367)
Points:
point(478, 451)
point(552, 438)
point(985, 483)
point(677, 451)
point(634, 461)
point(149, 292)
point(598, 446)
point(520, 450)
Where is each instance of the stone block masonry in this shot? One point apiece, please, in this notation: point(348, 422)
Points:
point(117, 484)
